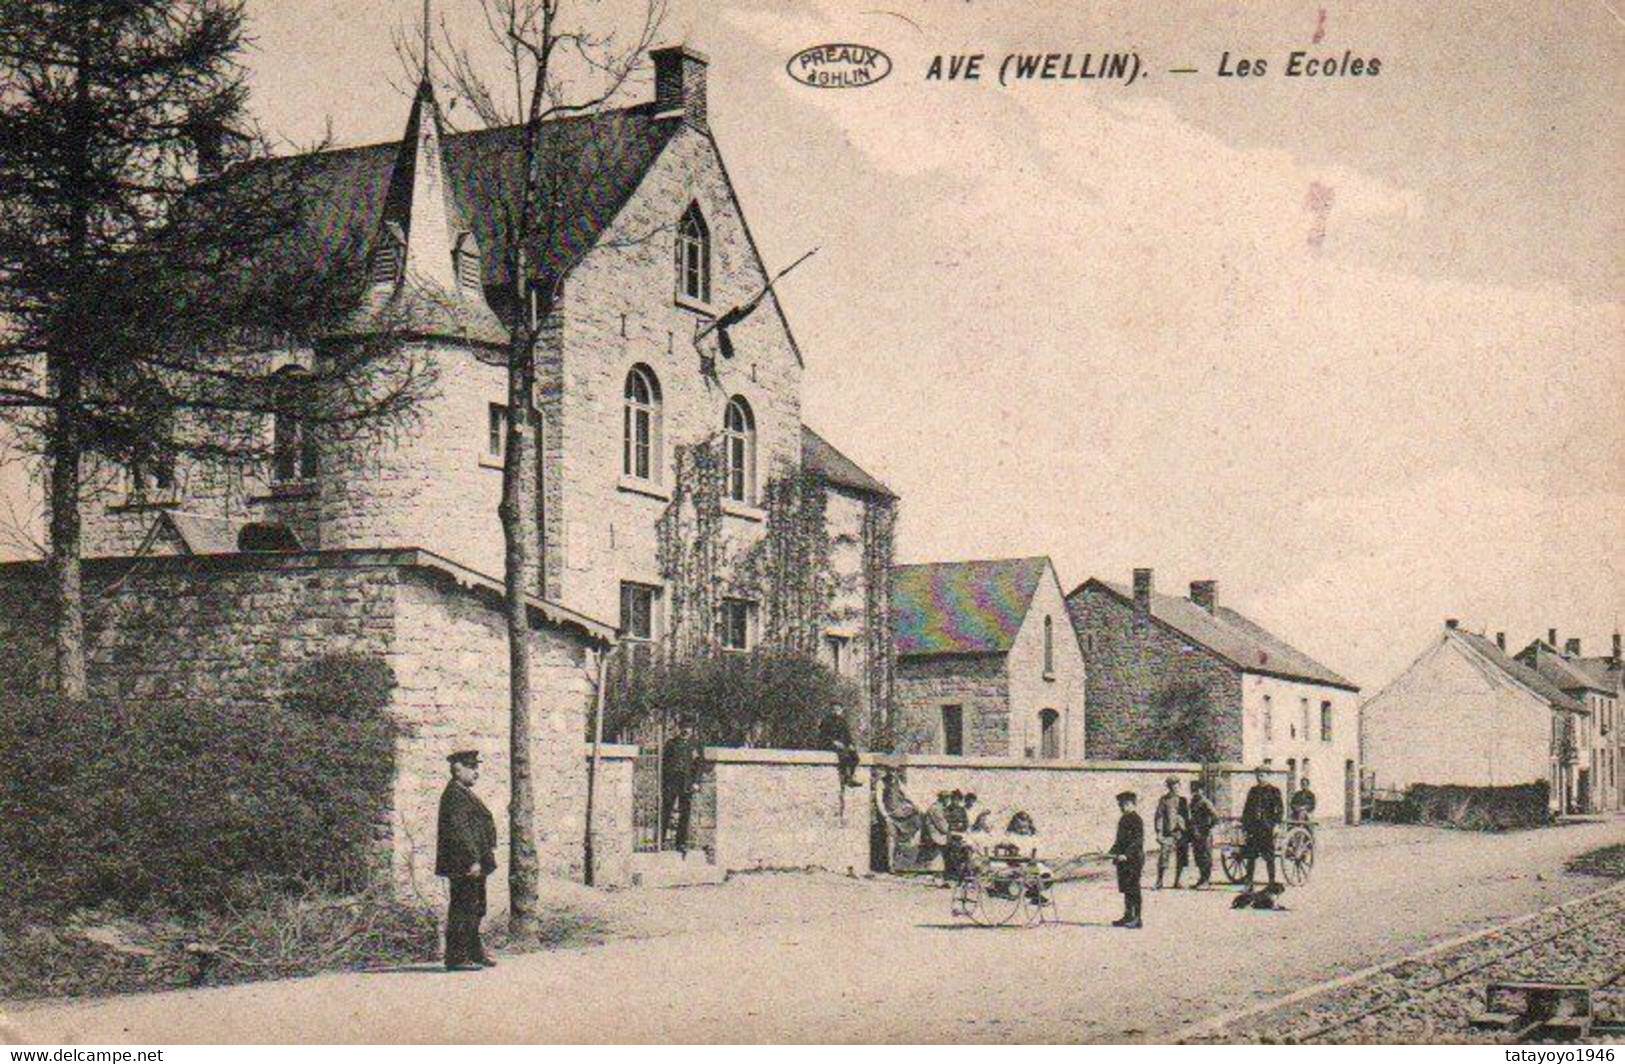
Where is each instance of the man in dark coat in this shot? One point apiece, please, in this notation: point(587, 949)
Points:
point(465, 853)
point(679, 763)
point(1259, 818)
point(836, 734)
point(1203, 817)
point(1303, 801)
point(1128, 853)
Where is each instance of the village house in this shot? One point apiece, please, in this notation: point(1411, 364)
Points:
point(1594, 683)
point(1187, 679)
point(1608, 743)
point(683, 506)
point(1465, 713)
point(986, 662)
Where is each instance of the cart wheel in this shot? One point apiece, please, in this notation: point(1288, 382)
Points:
point(1235, 869)
point(1001, 900)
point(1297, 857)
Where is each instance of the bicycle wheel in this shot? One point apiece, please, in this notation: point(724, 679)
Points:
point(1235, 869)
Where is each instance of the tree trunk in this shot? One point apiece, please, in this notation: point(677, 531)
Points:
point(518, 514)
point(65, 449)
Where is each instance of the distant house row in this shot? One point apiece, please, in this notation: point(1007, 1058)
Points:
point(993, 660)
point(1543, 713)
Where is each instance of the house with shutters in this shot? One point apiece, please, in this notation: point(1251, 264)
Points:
point(683, 506)
point(1594, 683)
point(986, 663)
point(1188, 679)
point(1465, 713)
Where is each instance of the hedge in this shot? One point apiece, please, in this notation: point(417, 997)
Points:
point(165, 804)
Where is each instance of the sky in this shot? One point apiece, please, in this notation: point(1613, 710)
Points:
point(1349, 346)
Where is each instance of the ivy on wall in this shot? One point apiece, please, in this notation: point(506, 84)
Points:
point(879, 558)
point(690, 551)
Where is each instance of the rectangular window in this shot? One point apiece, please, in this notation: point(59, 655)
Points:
point(1269, 718)
point(496, 431)
point(1325, 722)
point(953, 729)
point(738, 617)
point(838, 647)
point(1303, 712)
point(638, 612)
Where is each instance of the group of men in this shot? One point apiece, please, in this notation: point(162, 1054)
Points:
point(1184, 829)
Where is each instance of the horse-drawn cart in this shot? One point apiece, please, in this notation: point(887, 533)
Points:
point(1294, 851)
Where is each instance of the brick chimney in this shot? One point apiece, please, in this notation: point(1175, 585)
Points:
point(680, 83)
point(1551, 638)
point(1142, 590)
point(1205, 593)
point(1572, 648)
point(1616, 646)
point(1501, 641)
point(1451, 623)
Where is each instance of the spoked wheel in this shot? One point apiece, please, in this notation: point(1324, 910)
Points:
point(1297, 856)
point(992, 900)
point(1235, 869)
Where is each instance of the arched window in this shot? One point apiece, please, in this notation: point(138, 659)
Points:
point(1049, 646)
point(293, 446)
point(739, 451)
point(1049, 734)
point(640, 428)
point(465, 260)
point(694, 256)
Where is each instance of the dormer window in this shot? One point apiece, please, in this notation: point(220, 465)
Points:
point(466, 261)
point(389, 256)
point(694, 256)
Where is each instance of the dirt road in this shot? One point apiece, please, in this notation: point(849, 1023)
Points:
point(812, 957)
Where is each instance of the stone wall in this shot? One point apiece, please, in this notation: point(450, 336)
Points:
point(787, 809)
point(237, 628)
point(978, 684)
point(612, 815)
point(1132, 661)
point(1073, 803)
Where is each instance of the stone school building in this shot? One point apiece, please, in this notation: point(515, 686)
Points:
point(684, 505)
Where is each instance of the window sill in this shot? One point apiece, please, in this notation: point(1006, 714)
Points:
point(695, 305)
point(743, 511)
point(647, 488)
point(139, 504)
point(293, 489)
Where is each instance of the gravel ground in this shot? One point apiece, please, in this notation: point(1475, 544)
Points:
point(825, 958)
point(1432, 998)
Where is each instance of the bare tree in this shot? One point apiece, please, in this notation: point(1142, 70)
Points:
point(144, 277)
point(536, 63)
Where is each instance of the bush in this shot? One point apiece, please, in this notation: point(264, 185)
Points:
point(1480, 808)
point(769, 698)
point(167, 804)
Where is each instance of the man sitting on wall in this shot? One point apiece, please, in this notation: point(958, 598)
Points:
point(836, 734)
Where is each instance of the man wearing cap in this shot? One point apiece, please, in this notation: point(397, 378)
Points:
point(465, 853)
point(1203, 817)
point(1171, 822)
point(1128, 854)
point(1303, 802)
point(836, 734)
point(1259, 816)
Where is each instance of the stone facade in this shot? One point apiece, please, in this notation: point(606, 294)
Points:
point(237, 629)
point(979, 685)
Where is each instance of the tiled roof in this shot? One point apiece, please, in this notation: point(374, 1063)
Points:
point(962, 607)
point(819, 457)
point(595, 163)
point(1233, 638)
point(1517, 671)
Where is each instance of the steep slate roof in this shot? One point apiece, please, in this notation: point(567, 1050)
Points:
point(598, 161)
point(1233, 638)
point(1516, 671)
point(962, 607)
point(1607, 673)
point(1563, 671)
point(821, 458)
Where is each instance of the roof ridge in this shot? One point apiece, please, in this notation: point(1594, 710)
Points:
point(976, 561)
